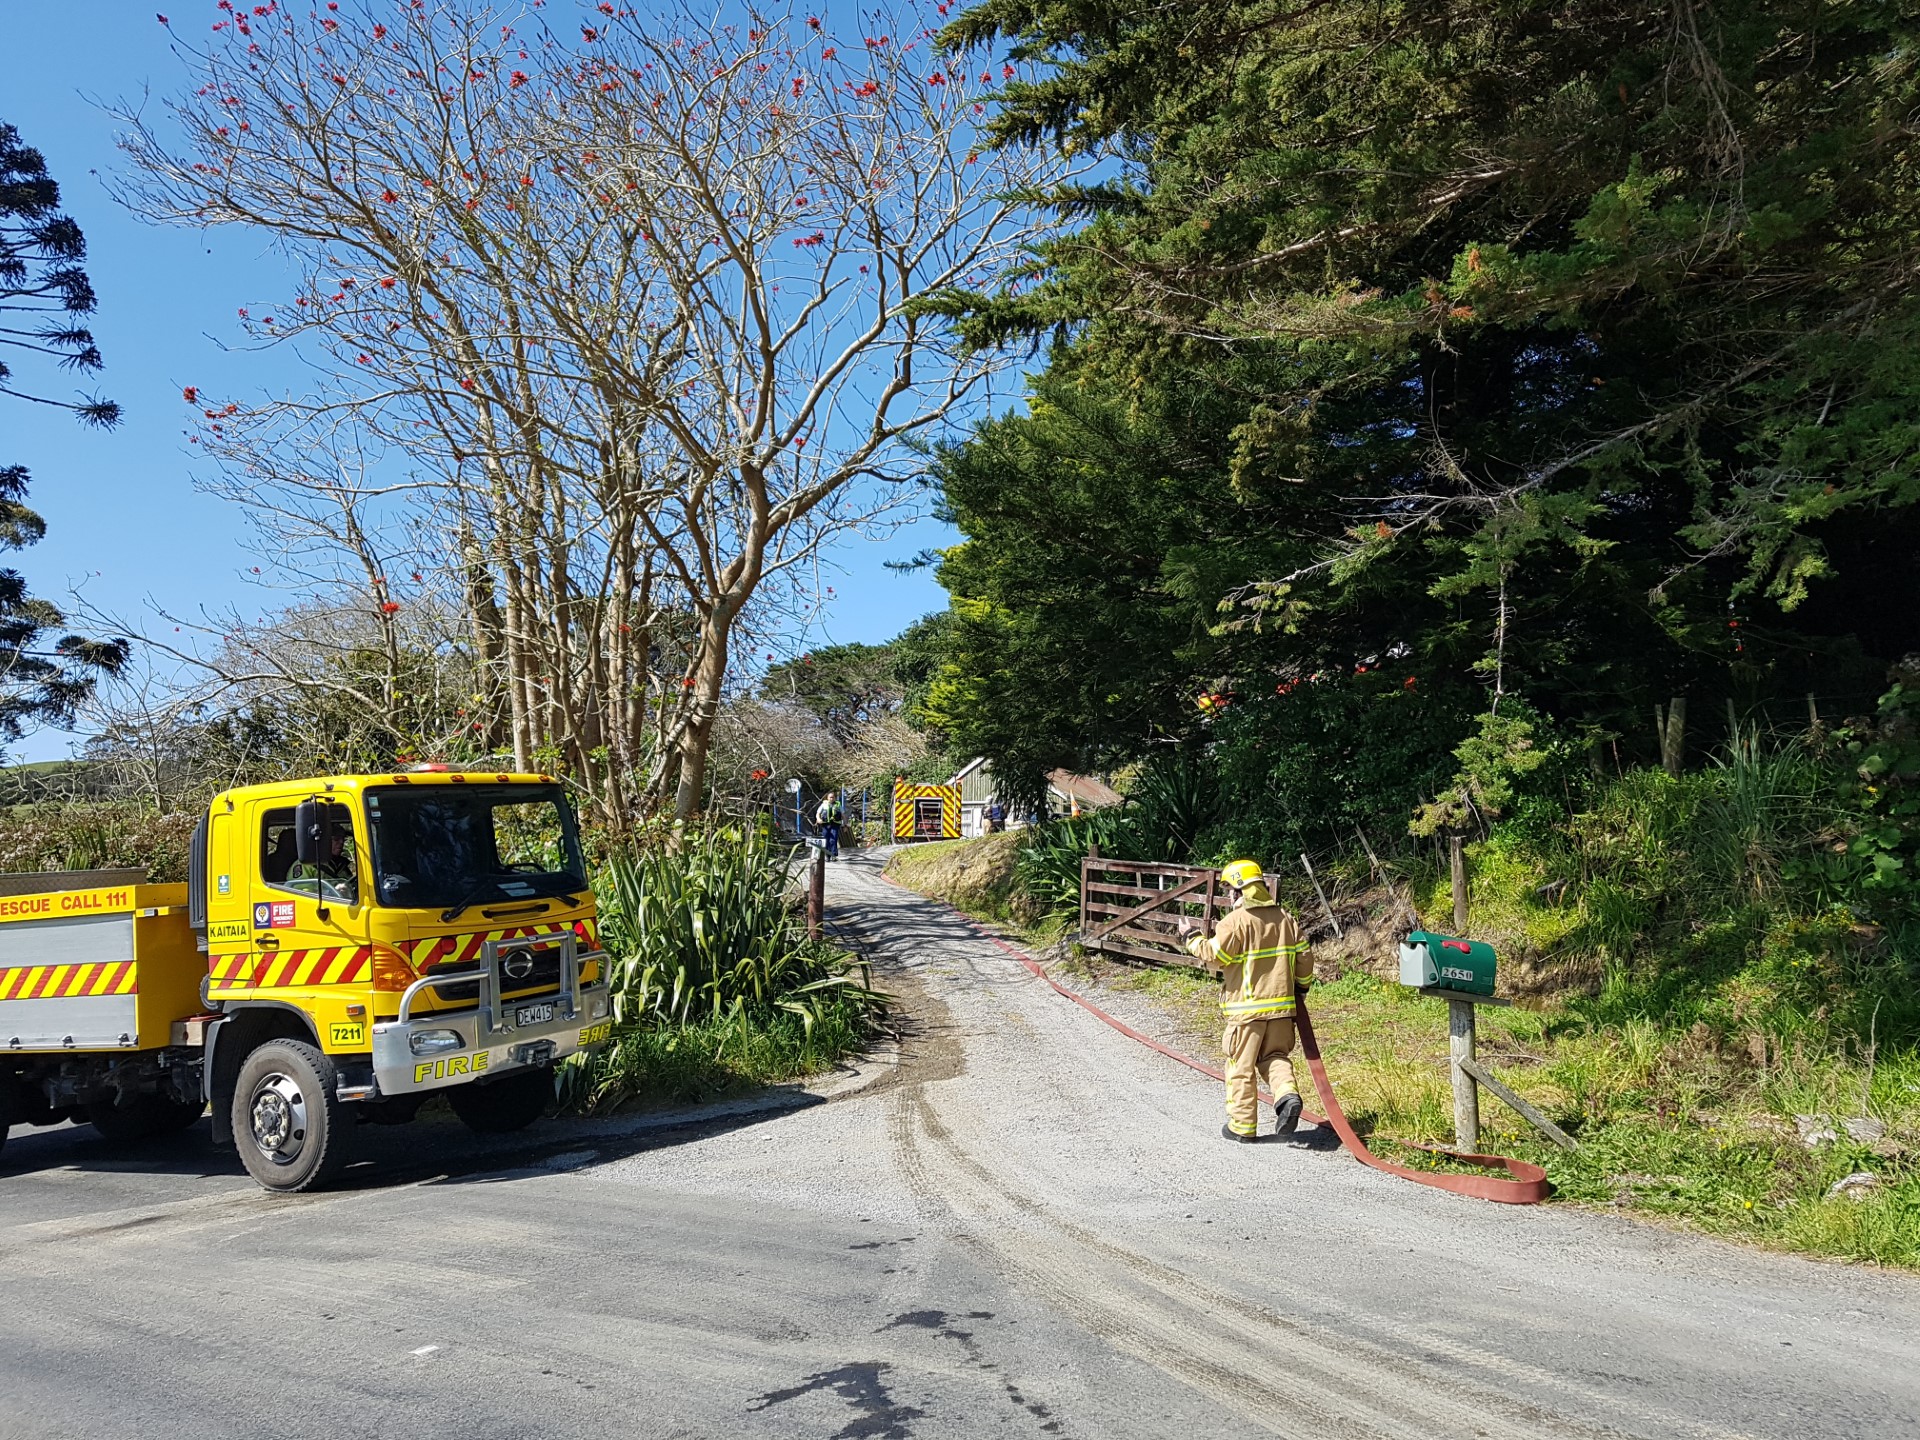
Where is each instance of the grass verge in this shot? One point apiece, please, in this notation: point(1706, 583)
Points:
point(649, 1066)
point(976, 876)
point(1668, 1126)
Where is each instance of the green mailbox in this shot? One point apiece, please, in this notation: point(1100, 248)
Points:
point(1446, 962)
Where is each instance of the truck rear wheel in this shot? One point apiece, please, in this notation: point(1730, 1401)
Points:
point(143, 1117)
point(290, 1129)
point(501, 1106)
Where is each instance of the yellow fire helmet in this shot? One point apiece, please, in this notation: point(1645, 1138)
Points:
point(1242, 873)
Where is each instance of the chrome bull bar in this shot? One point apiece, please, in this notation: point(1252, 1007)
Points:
point(494, 954)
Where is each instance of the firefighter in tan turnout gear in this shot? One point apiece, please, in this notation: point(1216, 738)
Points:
point(1262, 959)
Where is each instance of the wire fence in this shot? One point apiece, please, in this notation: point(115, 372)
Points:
point(793, 814)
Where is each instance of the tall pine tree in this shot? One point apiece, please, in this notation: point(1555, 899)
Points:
point(45, 297)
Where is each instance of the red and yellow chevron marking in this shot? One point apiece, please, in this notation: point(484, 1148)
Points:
point(238, 966)
point(458, 949)
point(344, 966)
point(59, 982)
point(272, 969)
point(905, 816)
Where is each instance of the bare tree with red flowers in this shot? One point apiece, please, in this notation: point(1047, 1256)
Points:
point(648, 306)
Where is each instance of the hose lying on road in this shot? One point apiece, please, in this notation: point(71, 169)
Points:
point(1528, 1184)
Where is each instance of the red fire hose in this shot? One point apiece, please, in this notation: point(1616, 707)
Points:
point(1524, 1183)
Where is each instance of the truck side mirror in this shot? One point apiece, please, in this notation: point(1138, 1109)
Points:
point(310, 831)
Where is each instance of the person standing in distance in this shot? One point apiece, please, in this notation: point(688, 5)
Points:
point(1262, 959)
point(827, 817)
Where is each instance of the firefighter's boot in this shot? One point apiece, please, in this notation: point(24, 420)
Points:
point(1286, 1114)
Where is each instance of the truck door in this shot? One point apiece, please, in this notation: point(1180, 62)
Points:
point(308, 924)
point(229, 900)
point(927, 819)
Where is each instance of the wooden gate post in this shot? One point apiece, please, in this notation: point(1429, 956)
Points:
point(1466, 1099)
point(817, 892)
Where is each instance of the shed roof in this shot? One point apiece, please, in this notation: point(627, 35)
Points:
point(967, 769)
point(1091, 793)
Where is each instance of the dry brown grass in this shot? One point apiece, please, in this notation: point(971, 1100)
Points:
point(973, 875)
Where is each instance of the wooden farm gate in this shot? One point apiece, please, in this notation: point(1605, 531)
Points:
point(1133, 908)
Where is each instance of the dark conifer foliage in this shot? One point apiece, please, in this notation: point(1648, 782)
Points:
point(1565, 351)
point(45, 297)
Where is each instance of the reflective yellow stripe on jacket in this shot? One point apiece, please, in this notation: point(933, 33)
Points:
point(1260, 1007)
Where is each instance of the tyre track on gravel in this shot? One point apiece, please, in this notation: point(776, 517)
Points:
point(1330, 1383)
point(1356, 1367)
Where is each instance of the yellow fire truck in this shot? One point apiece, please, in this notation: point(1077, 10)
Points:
point(344, 947)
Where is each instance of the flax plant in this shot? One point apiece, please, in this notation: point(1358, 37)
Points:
point(703, 931)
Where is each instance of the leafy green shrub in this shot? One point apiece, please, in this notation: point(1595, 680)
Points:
point(1047, 869)
point(95, 836)
point(710, 1058)
point(1725, 896)
point(1300, 770)
point(1494, 760)
point(1175, 802)
point(1882, 792)
point(974, 875)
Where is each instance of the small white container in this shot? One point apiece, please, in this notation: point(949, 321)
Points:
point(1416, 965)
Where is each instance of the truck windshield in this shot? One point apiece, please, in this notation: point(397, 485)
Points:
point(459, 845)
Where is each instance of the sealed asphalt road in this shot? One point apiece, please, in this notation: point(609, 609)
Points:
point(1029, 1227)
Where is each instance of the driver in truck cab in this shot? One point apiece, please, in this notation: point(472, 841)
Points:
point(335, 869)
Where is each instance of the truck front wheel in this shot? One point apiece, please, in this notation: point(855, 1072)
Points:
point(510, 1103)
point(290, 1129)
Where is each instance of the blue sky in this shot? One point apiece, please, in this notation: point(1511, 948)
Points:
point(123, 517)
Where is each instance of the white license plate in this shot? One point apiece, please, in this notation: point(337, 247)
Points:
point(532, 1015)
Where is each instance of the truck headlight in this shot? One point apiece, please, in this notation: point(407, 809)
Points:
point(598, 1009)
point(432, 1042)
